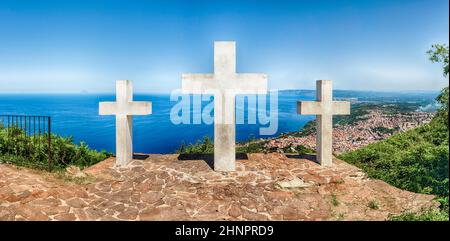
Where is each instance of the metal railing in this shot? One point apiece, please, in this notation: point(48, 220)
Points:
point(27, 136)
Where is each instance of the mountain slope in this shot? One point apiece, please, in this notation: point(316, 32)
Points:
point(416, 160)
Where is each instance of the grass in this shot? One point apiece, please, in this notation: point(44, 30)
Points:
point(424, 215)
point(334, 200)
point(337, 215)
point(87, 179)
point(206, 146)
point(373, 205)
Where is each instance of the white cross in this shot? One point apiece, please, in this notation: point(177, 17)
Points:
point(124, 108)
point(224, 84)
point(324, 109)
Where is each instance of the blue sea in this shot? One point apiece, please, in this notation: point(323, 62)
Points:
point(77, 115)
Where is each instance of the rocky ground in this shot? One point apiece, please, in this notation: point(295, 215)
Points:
point(171, 187)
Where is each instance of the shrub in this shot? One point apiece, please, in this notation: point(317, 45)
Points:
point(373, 205)
point(416, 160)
point(427, 215)
point(32, 151)
point(334, 200)
point(204, 146)
point(302, 150)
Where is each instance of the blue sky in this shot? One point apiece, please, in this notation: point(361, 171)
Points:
point(74, 46)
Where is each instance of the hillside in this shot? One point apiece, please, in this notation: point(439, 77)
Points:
point(417, 160)
point(367, 123)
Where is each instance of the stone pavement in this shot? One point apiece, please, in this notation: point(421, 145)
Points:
point(171, 187)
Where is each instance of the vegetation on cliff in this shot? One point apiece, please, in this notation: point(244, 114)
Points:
point(416, 160)
point(16, 148)
point(206, 146)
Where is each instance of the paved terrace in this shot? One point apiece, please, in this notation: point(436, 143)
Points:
point(172, 187)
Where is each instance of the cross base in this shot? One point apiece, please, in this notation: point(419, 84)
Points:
point(324, 140)
point(224, 147)
point(124, 140)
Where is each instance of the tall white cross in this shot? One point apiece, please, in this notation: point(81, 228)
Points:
point(224, 84)
point(124, 108)
point(324, 109)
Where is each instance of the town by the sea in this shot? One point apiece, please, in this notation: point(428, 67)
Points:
point(77, 115)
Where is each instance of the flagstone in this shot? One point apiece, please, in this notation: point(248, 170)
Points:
point(46, 202)
point(6, 214)
point(48, 210)
point(250, 215)
point(235, 210)
point(65, 217)
point(29, 212)
point(117, 208)
point(129, 214)
point(151, 197)
point(76, 203)
point(94, 213)
point(150, 213)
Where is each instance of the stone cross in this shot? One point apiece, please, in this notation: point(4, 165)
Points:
point(324, 109)
point(224, 84)
point(124, 108)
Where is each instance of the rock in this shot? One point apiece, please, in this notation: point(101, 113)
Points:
point(118, 208)
point(76, 203)
point(268, 187)
point(150, 213)
point(94, 213)
point(129, 214)
point(74, 171)
point(52, 202)
point(151, 197)
point(235, 210)
point(249, 215)
point(80, 214)
point(65, 217)
point(277, 196)
point(54, 210)
point(121, 196)
point(32, 213)
point(294, 183)
point(6, 214)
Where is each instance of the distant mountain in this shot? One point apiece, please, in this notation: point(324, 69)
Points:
point(425, 97)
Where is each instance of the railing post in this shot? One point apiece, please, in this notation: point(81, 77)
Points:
point(49, 145)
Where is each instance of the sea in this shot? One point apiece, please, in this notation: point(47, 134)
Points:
point(77, 115)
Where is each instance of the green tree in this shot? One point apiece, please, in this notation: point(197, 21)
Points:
point(439, 54)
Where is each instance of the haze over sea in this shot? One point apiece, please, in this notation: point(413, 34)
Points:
point(77, 115)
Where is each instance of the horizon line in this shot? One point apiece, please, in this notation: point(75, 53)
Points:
point(168, 93)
